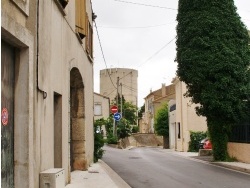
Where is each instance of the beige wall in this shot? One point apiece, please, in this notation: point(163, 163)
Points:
point(185, 116)
point(59, 52)
point(128, 79)
point(17, 28)
point(240, 151)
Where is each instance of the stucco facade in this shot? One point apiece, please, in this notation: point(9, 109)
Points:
point(183, 119)
point(127, 84)
point(53, 97)
point(101, 106)
point(18, 32)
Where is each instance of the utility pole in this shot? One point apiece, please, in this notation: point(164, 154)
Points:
point(117, 92)
point(121, 98)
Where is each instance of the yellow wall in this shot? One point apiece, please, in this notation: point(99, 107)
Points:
point(240, 151)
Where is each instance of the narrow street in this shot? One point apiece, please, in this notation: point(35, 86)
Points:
point(155, 168)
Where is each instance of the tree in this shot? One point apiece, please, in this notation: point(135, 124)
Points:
point(128, 109)
point(162, 125)
point(213, 59)
point(129, 113)
point(141, 111)
point(123, 129)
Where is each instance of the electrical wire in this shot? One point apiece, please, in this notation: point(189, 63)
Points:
point(157, 52)
point(135, 27)
point(103, 54)
point(130, 88)
point(141, 4)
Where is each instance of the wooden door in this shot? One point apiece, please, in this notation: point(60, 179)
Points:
point(7, 115)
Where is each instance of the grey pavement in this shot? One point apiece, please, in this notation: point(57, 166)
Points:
point(100, 175)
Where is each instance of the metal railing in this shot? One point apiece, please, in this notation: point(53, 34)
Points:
point(240, 133)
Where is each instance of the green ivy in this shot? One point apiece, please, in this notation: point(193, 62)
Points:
point(213, 60)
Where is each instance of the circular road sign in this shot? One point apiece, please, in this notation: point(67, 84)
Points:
point(117, 116)
point(114, 109)
point(5, 116)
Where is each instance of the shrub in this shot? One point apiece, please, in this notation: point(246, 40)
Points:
point(98, 144)
point(195, 138)
point(135, 129)
point(111, 139)
point(98, 139)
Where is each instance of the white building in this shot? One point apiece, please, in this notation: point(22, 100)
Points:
point(183, 119)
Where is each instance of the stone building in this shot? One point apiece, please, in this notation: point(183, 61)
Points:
point(125, 79)
point(153, 102)
point(47, 89)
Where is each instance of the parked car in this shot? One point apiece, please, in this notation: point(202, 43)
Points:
point(205, 144)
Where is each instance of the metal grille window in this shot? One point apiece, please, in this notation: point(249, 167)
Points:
point(240, 133)
point(172, 108)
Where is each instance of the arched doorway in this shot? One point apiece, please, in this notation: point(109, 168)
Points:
point(77, 121)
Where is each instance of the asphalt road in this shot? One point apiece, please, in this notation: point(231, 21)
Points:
point(153, 168)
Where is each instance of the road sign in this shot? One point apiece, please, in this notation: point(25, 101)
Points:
point(117, 116)
point(5, 116)
point(114, 109)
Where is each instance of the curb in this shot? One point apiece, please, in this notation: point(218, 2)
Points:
point(237, 168)
point(113, 175)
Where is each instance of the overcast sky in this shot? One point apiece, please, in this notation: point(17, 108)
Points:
point(140, 34)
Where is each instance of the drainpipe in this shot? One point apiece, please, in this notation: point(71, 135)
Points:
point(37, 54)
point(182, 122)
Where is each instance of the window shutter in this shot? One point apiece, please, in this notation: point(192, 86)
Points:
point(89, 38)
point(81, 18)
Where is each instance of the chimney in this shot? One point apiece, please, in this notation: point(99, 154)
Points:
point(163, 90)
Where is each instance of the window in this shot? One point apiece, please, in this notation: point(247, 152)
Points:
point(172, 108)
point(179, 130)
point(81, 18)
point(98, 109)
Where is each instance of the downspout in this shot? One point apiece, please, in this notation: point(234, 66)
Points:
point(37, 54)
point(182, 122)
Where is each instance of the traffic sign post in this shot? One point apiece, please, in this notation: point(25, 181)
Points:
point(114, 109)
point(117, 116)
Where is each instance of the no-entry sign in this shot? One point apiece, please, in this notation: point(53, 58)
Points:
point(114, 109)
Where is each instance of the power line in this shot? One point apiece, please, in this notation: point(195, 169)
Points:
point(141, 4)
point(129, 88)
point(103, 54)
point(135, 27)
point(156, 52)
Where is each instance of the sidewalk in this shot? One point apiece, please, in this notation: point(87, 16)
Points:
point(238, 166)
point(100, 175)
